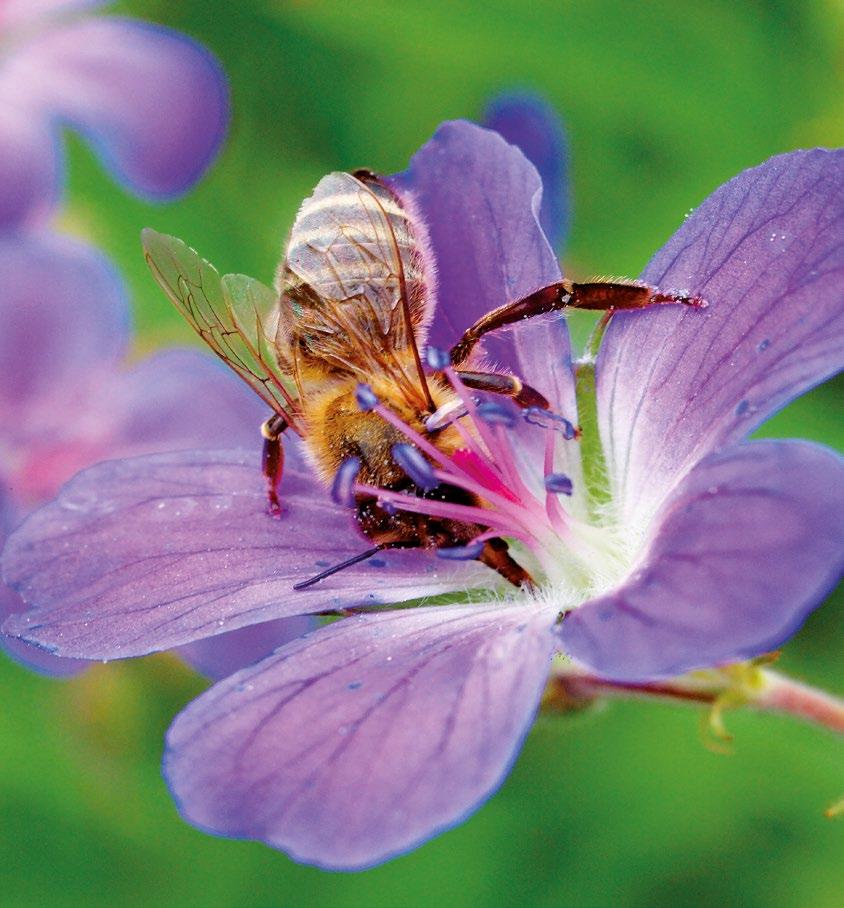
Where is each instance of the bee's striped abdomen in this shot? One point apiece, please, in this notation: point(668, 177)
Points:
point(354, 253)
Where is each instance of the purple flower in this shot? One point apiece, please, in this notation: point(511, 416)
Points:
point(152, 103)
point(68, 399)
point(691, 548)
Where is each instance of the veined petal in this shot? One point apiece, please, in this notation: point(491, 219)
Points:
point(153, 103)
point(480, 198)
point(767, 252)
point(11, 602)
point(531, 123)
point(221, 656)
point(150, 553)
point(64, 315)
point(748, 544)
point(367, 737)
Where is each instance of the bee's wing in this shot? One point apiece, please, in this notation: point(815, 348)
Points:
point(354, 246)
point(229, 313)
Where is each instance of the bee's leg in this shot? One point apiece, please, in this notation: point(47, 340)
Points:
point(495, 555)
point(509, 385)
point(272, 460)
point(600, 295)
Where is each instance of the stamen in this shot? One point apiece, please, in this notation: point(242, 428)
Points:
point(416, 467)
point(462, 512)
point(365, 397)
point(508, 465)
point(342, 489)
point(437, 359)
point(552, 506)
point(471, 408)
point(446, 414)
point(547, 419)
point(558, 483)
point(461, 552)
point(496, 414)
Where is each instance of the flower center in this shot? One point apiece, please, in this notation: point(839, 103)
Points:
point(509, 460)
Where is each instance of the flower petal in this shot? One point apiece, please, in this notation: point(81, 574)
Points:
point(11, 602)
point(150, 553)
point(767, 252)
point(531, 124)
point(18, 13)
point(63, 315)
point(480, 199)
point(31, 166)
point(220, 656)
point(749, 543)
point(366, 738)
point(178, 399)
point(153, 102)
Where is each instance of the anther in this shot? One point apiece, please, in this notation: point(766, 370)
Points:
point(437, 359)
point(416, 467)
point(495, 414)
point(446, 414)
point(342, 489)
point(461, 552)
point(365, 397)
point(546, 419)
point(558, 483)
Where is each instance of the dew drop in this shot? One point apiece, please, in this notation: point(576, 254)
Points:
point(79, 501)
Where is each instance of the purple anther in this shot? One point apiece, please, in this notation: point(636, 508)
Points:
point(546, 419)
point(365, 397)
point(496, 414)
point(437, 359)
point(558, 483)
point(342, 489)
point(461, 552)
point(416, 467)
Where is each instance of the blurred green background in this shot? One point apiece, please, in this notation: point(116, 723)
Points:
point(622, 806)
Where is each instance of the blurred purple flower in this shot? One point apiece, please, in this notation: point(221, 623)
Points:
point(152, 103)
point(68, 399)
point(367, 737)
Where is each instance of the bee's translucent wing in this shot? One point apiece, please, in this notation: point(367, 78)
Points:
point(229, 313)
point(356, 275)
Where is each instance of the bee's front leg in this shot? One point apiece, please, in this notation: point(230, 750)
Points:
point(272, 460)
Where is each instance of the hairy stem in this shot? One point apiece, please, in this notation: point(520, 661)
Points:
point(740, 685)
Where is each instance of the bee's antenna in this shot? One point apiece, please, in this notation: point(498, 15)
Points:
point(355, 559)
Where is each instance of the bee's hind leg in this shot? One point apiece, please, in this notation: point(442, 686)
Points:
point(596, 295)
point(272, 460)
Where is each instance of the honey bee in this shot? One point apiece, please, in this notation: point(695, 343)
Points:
point(352, 305)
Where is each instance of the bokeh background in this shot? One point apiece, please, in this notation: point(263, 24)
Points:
point(623, 805)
